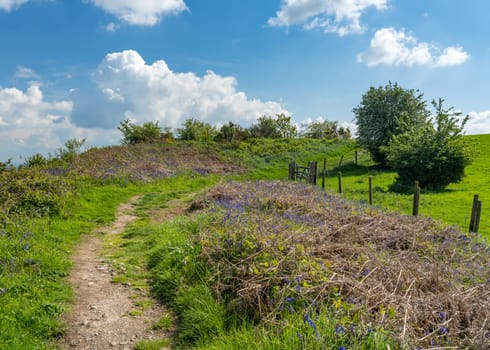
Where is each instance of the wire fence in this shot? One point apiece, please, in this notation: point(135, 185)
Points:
point(311, 175)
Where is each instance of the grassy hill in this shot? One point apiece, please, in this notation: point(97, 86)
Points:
point(261, 264)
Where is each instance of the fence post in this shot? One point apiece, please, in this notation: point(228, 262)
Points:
point(323, 172)
point(313, 171)
point(340, 182)
point(340, 162)
point(370, 190)
point(416, 199)
point(355, 160)
point(292, 170)
point(475, 215)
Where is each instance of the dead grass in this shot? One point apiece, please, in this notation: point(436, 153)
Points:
point(276, 242)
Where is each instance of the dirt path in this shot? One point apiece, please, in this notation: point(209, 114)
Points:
point(101, 318)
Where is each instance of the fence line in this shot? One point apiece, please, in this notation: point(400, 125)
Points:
point(310, 172)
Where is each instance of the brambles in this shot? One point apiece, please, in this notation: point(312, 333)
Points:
point(282, 247)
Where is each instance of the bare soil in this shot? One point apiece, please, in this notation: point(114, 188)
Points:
point(102, 316)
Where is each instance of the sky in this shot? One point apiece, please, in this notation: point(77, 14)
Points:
point(77, 68)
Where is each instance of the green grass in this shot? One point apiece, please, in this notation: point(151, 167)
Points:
point(35, 260)
point(451, 205)
point(35, 252)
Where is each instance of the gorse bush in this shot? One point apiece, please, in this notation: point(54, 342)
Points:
point(435, 154)
point(32, 192)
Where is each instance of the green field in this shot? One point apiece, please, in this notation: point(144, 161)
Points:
point(451, 205)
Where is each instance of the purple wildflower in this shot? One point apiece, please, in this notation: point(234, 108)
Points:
point(339, 329)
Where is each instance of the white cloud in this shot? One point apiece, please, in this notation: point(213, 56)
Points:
point(112, 27)
point(9, 5)
point(26, 73)
point(391, 47)
point(139, 12)
point(128, 87)
point(479, 123)
point(339, 16)
point(29, 124)
point(452, 56)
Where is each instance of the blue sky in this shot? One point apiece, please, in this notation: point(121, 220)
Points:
point(75, 69)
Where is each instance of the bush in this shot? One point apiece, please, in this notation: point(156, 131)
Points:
point(196, 130)
point(326, 129)
point(149, 132)
point(279, 126)
point(434, 154)
point(385, 112)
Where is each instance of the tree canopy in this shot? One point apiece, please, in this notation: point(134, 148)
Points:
point(386, 112)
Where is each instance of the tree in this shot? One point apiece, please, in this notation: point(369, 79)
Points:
point(231, 132)
point(196, 130)
point(434, 154)
point(266, 127)
point(284, 126)
point(273, 127)
point(149, 132)
point(326, 129)
point(386, 112)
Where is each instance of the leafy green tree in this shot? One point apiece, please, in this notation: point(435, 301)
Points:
point(196, 130)
point(232, 132)
point(149, 132)
point(326, 129)
point(280, 126)
point(386, 112)
point(435, 154)
point(265, 128)
point(285, 127)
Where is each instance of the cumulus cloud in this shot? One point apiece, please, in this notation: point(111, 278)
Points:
point(398, 48)
point(145, 13)
point(9, 5)
point(128, 87)
point(338, 16)
point(479, 123)
point(29, 124)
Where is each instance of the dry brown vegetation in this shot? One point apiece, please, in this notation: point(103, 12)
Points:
point(275, 244)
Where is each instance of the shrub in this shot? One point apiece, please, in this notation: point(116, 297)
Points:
point(385, 112)
point(71, 149)
point(35, 160)
point(149, 132)
point(279, 126)
point(196, 130)
point(434, 154)
point(326, 129)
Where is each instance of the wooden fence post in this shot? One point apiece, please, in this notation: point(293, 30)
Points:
point(370, 190)
point(313, 171)
point(475, 215)
point(416, 199)
point(292, 170)
point(341, 161)
point(340, 182)
point(323, 172)
point(355, 159)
